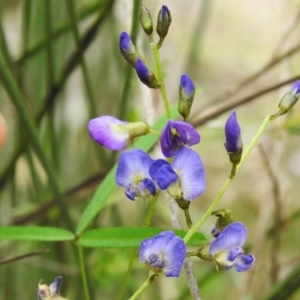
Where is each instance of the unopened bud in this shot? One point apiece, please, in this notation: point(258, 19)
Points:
point(145, 75)
point(288, 100)
point(128, 49)
point(225, 217)
point(186, 95)
point(164, 20)
point(146, 20)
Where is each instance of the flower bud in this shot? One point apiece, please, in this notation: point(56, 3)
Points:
point(145, 75)
point(146, 20)
point(288, 100)
point(128, 49)
point(186, 95)
point(225, 217)
point(233, 144)
point(164, 20)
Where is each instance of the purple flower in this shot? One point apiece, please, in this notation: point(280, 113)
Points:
point(233, 142)
point(177, 134)
point(55, 286)
point(52, 291)
point(164, 253)
point(132, 173)
point(184, 177)
point(113, 133)
point(227, 251)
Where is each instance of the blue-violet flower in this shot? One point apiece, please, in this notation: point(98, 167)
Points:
point(133, 174)
point(184, 177)
point(164, 20)
point(177, 134)
point(113, 133)
point(164, 253)
point(227, 251)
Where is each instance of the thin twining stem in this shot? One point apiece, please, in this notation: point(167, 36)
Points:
point(212, 207)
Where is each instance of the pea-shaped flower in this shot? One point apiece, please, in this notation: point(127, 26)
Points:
point(184, 177)
point(113, 133)
point(164, 253)
point(186, 95)
point(175, 135)
point(226, 250)
point(133, 174)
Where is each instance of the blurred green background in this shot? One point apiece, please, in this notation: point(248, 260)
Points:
point(66, 64)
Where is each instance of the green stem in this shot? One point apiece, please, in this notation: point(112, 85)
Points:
point(83, 273)
point(207, 214)
point(146, 223)
point(149, 280)
point(12, 88)
point(160, 79)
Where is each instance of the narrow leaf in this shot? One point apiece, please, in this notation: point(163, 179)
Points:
point(35, 233)
point(108, 186)
point(129, 237)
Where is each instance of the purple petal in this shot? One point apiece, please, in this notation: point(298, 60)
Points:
point(175, 254)
point(142, 70)
point(54, 287)
point(155, 167)
point(164, 246)
point(234, 235)
point(147, 184)
point(164, 175)
point(133, 166)
point(187, 85)
point(164, 10)
point(295, 87)
point(234, 253)
point(108, 132)
point(125, 42)
point(177, 134)
point(233, 134)
point(154, 245)
point(188, 165)
point(244, 262)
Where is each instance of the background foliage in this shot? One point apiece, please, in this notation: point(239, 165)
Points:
point(60, 66)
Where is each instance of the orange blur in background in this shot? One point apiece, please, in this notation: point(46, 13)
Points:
point(3, 131)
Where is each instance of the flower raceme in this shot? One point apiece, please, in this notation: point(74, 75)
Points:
point(184, 177)
point(163, 253)
point(133, 174)
point(175, 135)
point(113, 133)
point(227, 251)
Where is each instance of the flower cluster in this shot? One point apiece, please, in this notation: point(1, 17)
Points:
point(181, 175)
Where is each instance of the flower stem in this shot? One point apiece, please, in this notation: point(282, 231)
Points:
point(149, 280)
point(146, 223)
point(155, 52)
point(83, 273)
point(207, 214)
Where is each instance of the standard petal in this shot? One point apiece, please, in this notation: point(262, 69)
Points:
point(106, 131)
point(133, 167)
point(175, 252)
point(244, 262)
point(154, 245)
point(188, 165)
point(234, 235)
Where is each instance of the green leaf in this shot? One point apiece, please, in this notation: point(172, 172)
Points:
point(129, 237)
point(35, 233)
point(108, 186)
